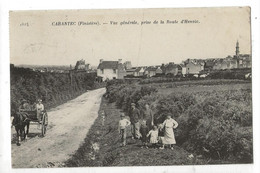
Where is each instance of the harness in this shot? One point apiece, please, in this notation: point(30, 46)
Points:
point(23, 121)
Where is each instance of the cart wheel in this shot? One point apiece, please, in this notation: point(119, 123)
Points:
point(43, 124)
point(46, 119)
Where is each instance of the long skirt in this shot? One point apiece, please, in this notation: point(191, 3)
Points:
point(169, 137)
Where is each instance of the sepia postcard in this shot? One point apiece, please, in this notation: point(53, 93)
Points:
point(131, 87)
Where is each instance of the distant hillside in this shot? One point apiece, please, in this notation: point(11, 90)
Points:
point(49, 67)
point(52, 88)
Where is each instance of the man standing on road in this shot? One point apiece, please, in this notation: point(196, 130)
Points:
point(134, 118)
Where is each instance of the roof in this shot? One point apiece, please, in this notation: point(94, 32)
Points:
point(170, 65)
point(194, 63)
point(150, 69)
point(137, 69)
point(244, 55)
point(130, 70)
point(182, 65)
point(108, 65)
point(209, 64)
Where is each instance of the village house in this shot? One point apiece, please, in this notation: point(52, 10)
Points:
point(128, 65)
point(221, 64)
point(232, 64)
point(237, 61)
point(109, 70)
point(183, 69)
point(130, 72)
point(152, 71)
point(244, 61)
point(81, 65)
point(158, 70)
point(139, 71)
point(194, 68)
point(172, 68)
point(208, 66)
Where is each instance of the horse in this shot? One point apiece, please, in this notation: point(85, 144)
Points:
point(21, 121)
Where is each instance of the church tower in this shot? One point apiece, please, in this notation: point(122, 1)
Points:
point(237, 49)
point(238, 61)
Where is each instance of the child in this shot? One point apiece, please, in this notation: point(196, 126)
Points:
point(123, 123)
point(153, 136)
point(144, 131)
point(160, 134)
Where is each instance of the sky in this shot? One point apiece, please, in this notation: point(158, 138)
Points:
point(36, 38)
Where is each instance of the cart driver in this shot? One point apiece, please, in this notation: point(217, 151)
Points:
point(24, 106)
point(39, 109)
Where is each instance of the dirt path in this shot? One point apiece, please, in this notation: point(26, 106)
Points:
point(68, 125)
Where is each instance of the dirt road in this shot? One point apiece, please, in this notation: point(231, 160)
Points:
point(68, 125)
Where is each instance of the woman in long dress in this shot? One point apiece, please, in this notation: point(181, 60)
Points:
point(169, 139)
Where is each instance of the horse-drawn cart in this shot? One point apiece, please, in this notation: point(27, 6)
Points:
point(32, 117)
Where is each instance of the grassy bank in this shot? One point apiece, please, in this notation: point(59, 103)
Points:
point(215, 116)
point(53, 88)
point(101, 147)
point(215, 125)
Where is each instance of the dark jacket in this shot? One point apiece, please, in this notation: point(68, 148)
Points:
point(147, 114)
point(144, 132)
point(134, 115)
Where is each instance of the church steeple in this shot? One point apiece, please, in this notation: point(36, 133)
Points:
point(237, 49)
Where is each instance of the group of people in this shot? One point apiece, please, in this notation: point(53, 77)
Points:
point(143, 128)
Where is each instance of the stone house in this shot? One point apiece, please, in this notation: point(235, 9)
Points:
point(244, 61)
point(152, 71)
point(208, 66)
point(183, 69)
point(127, 65)
point(109, 70)
point(194, 68)
point(172, 68)
point(130, 72)
point(139, 71)
point(81, 65)
point(158, 70)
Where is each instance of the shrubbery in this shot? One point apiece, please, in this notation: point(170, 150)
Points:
point(211, 127)
point(214, 124)
point(125, 94)
point(229, 74)
point(174, 105)
point(52, 88)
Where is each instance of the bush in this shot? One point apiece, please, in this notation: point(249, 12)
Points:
point(52, 88)
point(213, 127)
point(215, 124)
point(173, 105)
point(124, 94)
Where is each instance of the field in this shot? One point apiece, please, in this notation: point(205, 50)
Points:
point(214, 116)
point(201, 88)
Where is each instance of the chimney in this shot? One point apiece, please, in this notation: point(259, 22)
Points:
point(100, 61)
point(119, 61)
